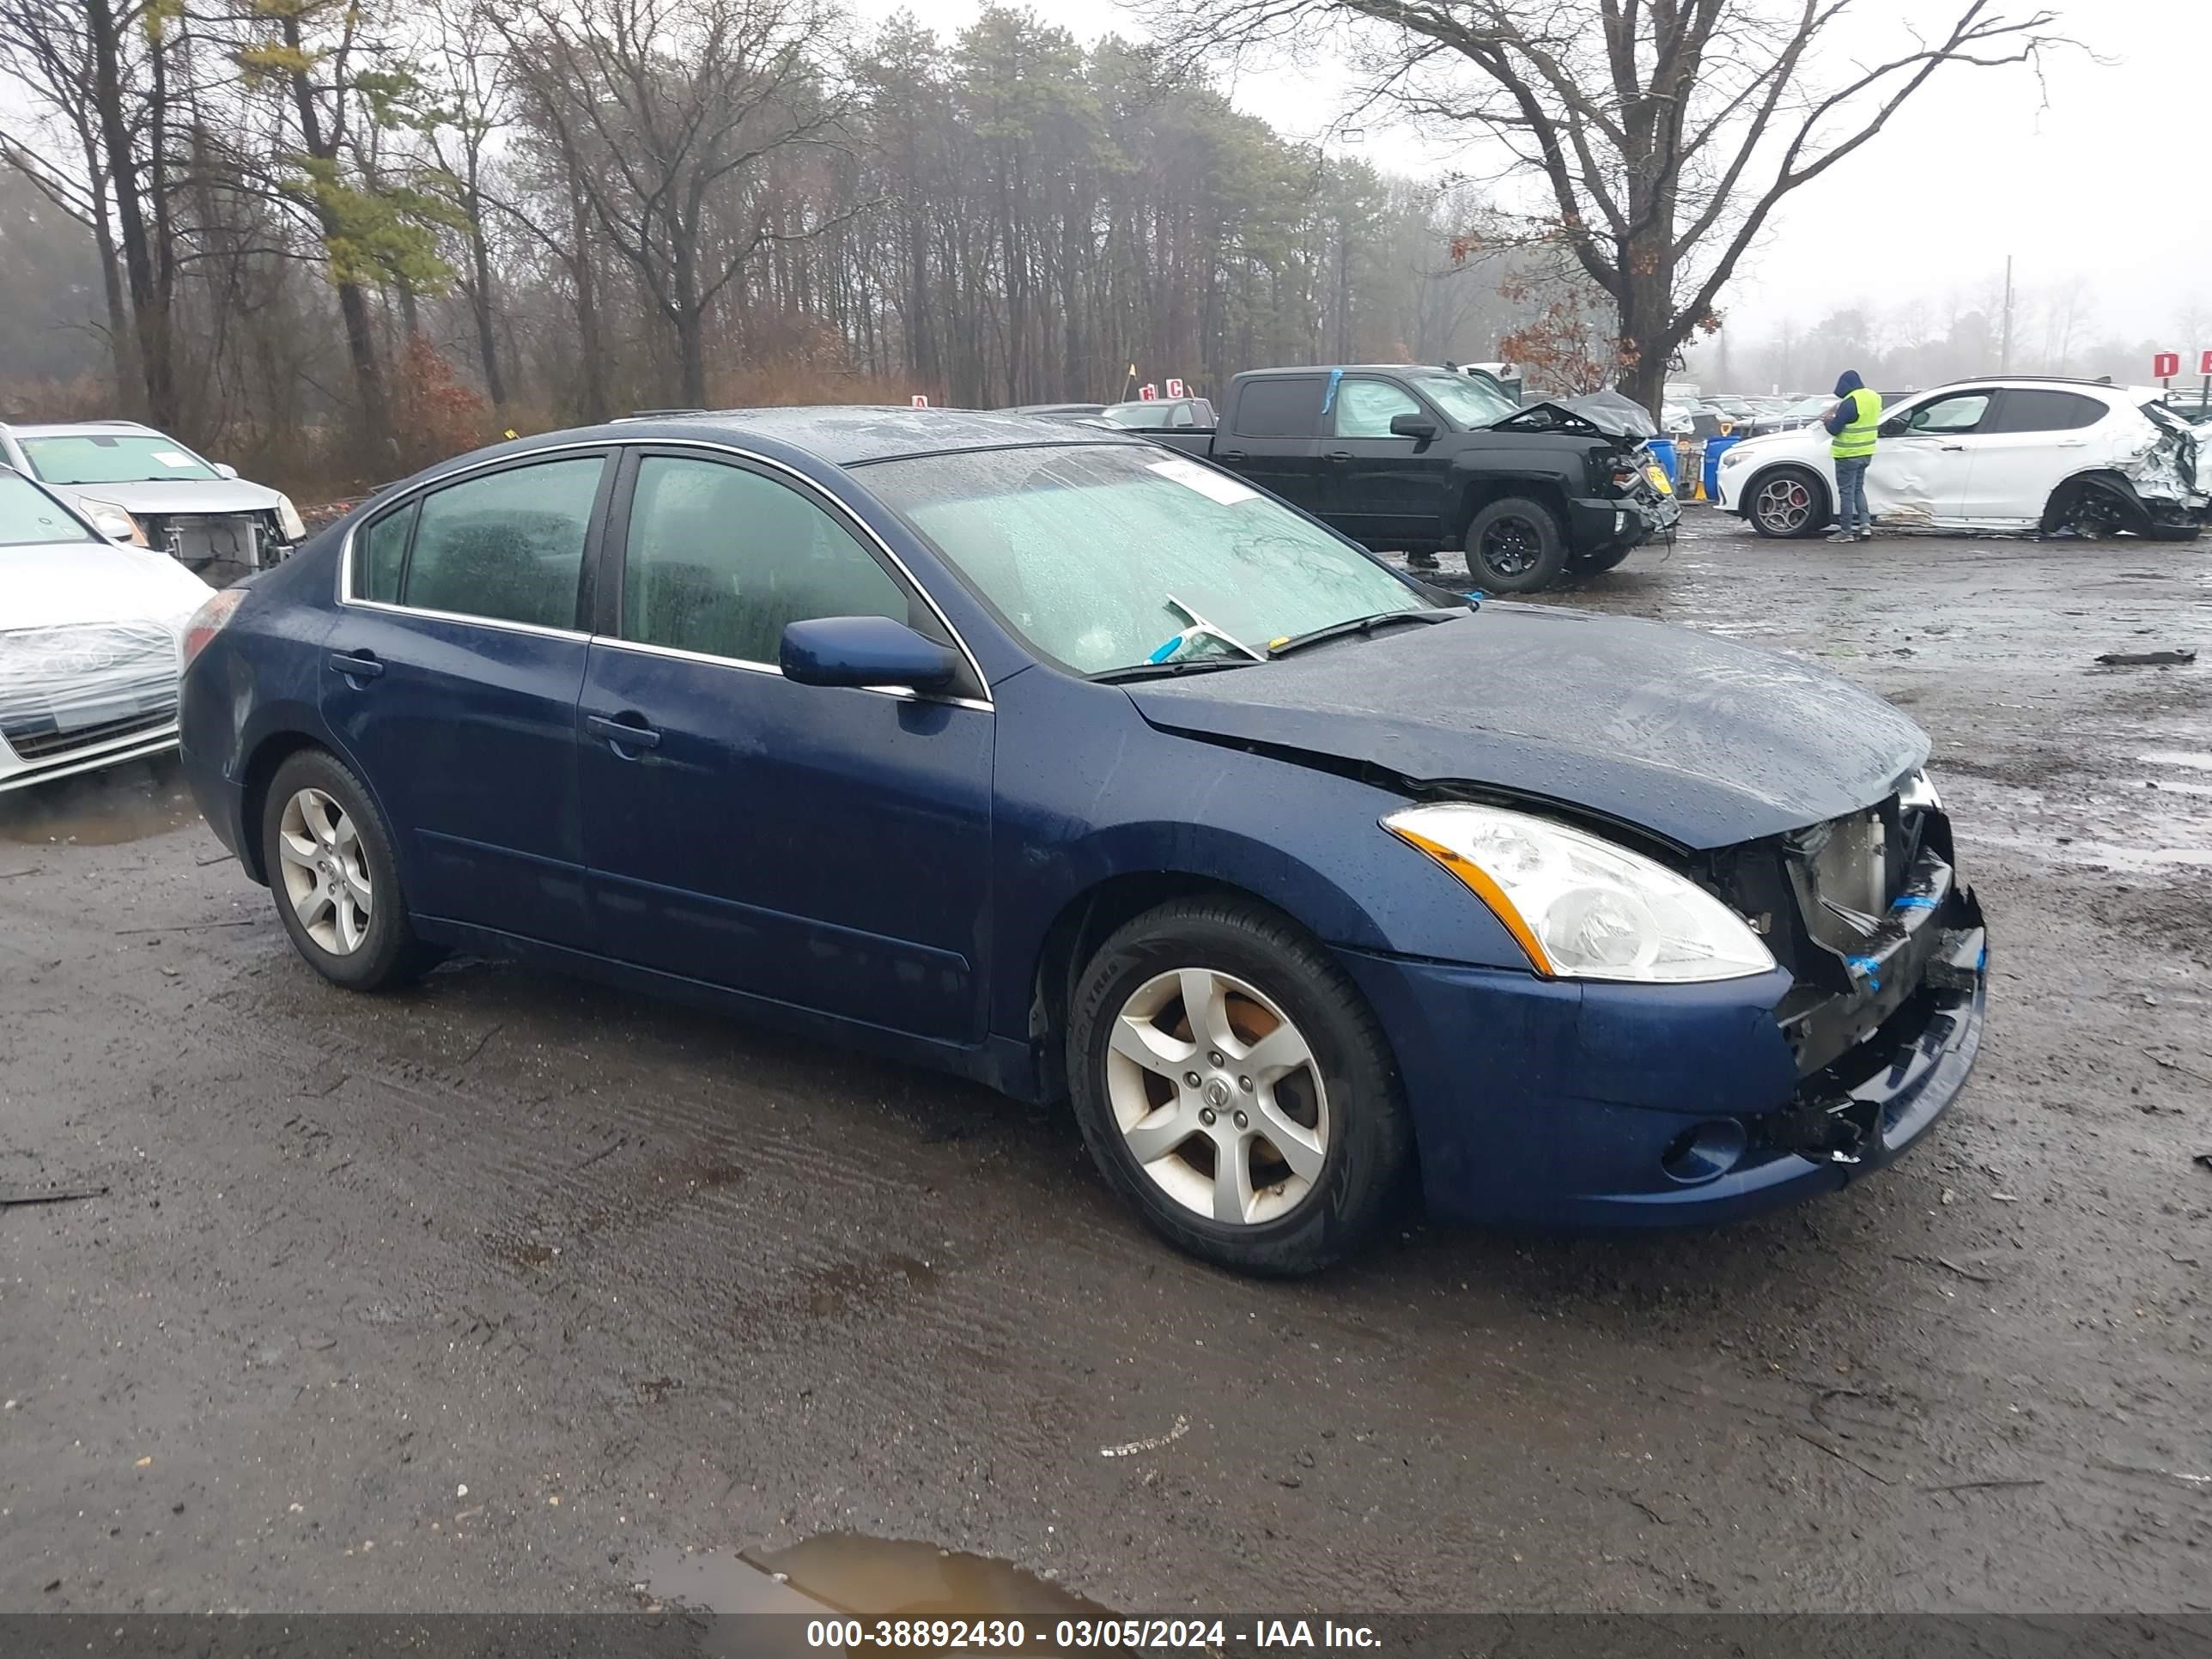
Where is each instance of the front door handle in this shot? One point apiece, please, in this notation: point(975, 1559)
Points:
point(623, 734)
point(1338, 455)
point(1955, 449)
point(1228, 454)
point(357, 665)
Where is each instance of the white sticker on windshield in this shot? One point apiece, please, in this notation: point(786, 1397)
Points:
point(1214, 486)
point(173, 457)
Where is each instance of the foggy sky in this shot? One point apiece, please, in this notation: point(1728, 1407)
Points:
point(2103, 172)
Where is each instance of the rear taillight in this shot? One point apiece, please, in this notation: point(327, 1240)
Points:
point(207, 621)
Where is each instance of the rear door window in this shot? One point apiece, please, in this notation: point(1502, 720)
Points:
point(1284, 407)
point(508, 547)
point(720, 560)
point(2020, 410)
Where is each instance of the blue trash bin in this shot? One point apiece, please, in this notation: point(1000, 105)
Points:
point(1715, 448)
point(1662, 451)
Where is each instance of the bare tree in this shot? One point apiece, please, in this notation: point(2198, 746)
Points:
point(678, 108)
point(1659, 136)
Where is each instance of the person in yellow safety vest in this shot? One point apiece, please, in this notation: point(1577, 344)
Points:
point(1852, 426)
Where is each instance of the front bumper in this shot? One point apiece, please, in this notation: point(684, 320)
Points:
point(15, 772)
point(1597, 522)
point(1548, 1104)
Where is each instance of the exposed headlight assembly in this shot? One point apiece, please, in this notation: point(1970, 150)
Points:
point(112, 521)
point(289, 521)
point(1580, 906)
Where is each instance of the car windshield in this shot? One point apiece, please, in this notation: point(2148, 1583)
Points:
point(30, 515)
point(99, 458)
point(1465, 401)
point(1103, 556)
point(1139, 414)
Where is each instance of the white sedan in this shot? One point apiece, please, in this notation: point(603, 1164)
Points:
point(90, 633)
point(2016, 454)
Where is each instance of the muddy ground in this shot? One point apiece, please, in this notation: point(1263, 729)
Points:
point(491, 1295)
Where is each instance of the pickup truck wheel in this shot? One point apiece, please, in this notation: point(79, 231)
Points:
point(1789, 501)
point(1515, 546)
point(1603, 559)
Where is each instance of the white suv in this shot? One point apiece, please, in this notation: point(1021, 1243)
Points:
point(140, 486)
point(2018, 454)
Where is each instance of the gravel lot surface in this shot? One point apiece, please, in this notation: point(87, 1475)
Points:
point(492, 1295)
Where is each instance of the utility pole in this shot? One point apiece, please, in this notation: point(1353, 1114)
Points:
point(2004, 351)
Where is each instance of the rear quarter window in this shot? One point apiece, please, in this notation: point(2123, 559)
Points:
point(2043, 411)
point(1286, 408)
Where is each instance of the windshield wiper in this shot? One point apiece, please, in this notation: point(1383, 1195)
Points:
point(1358, 625)
point(1200, 628)
point(1161, 671)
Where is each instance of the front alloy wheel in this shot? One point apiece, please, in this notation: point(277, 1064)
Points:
point(1788, 504)
point(1233, 1084)
point(325, 875)
point(1217, 1097)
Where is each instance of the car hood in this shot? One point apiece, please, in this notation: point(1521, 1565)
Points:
point(1682, 734)
point(60, 584)
point(181, 496)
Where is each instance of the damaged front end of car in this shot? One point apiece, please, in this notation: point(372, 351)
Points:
point(1887, 955)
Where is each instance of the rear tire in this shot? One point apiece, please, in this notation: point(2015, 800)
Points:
point(332, 871)
point(1514, 545)
point(1787, 503)
point(1301, 1058)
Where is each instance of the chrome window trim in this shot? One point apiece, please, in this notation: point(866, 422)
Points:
point(903, 693)
point(614, 449)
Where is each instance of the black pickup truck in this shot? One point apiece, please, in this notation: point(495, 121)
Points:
point(1409, 458)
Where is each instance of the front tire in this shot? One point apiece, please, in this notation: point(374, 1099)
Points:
point(1232, 1084)
point(328, 854)
point(1789, 503)
point(1514, 545)
point(1604, 559)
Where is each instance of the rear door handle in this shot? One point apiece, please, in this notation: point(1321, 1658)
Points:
point(622, 733)
point(1337, 455)
point(357, 665)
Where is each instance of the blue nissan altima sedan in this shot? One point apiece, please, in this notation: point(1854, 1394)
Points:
point(1044, 755)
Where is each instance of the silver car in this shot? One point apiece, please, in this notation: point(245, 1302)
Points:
point(140, 486)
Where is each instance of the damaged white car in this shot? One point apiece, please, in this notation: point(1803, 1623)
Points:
point(2021, 454)
point(90, 638)
point(140, 485)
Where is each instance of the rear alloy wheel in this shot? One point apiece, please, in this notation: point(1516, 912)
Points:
point(328, 856)
point(1233, 1084)
point(1789, 501)
point(1515, 546)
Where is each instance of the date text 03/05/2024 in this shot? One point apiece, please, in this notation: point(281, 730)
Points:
point(1011, 1635)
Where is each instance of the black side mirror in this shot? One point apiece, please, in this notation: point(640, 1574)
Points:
point(1412, 426)
point(865, 650)
point(1893, 429)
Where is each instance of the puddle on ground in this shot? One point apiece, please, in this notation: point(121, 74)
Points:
point(2177, 757)
point(123, 803)
point(844, 1572)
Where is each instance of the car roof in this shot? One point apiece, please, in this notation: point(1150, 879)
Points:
point(853, 434)
point(1326, 369)
point(77, 428)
